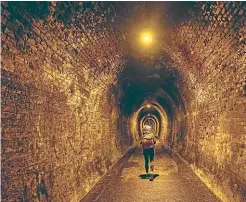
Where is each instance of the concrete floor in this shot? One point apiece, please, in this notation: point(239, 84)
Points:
point(174, 182)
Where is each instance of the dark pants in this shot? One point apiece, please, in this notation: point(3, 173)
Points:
point(148, 157)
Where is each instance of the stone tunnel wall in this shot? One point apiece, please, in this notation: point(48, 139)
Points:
point(61, 127)
point(210, 52)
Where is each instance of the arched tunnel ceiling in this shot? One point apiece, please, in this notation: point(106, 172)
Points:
point(154, 17)
point(68, 66)
point(141, 81)
point(148, 69)
point(148, 111)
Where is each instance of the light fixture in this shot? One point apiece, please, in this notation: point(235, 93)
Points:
point(148, 106)
point(146, 38)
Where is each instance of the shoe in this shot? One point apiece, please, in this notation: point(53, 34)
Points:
point(147, 175)
point(151, 178)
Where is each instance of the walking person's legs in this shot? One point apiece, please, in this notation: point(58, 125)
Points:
point(146, 160)
point(151, 155)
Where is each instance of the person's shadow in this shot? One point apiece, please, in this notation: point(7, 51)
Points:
point(144, 176)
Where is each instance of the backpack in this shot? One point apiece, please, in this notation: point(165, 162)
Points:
point(147, 141)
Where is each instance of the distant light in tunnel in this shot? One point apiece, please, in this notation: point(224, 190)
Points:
point(148, 106)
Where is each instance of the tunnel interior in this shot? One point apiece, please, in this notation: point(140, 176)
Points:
point(149, 116)
point(78, 83)
point(152, 122)
point(144, 82)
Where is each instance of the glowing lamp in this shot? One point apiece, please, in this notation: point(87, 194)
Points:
point(146, 37)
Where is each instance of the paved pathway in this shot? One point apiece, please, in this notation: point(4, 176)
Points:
point(174, 182)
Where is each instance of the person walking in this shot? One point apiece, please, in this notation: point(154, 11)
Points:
point(148, 144)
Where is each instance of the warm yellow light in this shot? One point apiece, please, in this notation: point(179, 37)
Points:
point(148, 106)
point(147, 38)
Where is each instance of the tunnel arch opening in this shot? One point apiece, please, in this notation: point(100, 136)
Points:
point(143, 82)
point(155, 113)
point(169, 115)
point(151, 121)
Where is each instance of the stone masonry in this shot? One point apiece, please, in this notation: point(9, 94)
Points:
point(62, 121)
point(59, 106)
point(210, 52)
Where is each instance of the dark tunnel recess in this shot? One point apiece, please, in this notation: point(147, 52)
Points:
point(140, 81)
point(157, 82)
point(150, 116)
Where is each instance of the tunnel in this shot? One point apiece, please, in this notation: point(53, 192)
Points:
point(80, 79)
